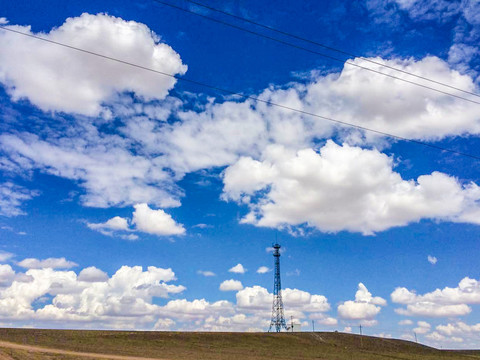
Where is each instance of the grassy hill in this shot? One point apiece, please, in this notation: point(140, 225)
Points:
point(231, 346)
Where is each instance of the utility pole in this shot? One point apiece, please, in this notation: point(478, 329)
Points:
point(361, 337)
point(291, 324)
point(278, 317)
point(414, 333)
point(313, 325)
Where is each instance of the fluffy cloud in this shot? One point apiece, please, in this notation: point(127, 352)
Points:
point(51, 263)
point(434, 310)
point(365, 307)
point(343, 188)
point(304, 301)
point(258, 299)
point(458, 328)
point(454, 333)
point(436, 337)
point(87, 82)
point(263, 270)
point(103, 166)
point(323, 319)
point(236, 322)
point(422, 328)
point(447, 302)
point(254, 298)
point(92, 274)
point(213, 137)
point(223, 132)
point(238, 269)
point(157, 154)
point(144, 219)
point(124, 300)
point(198, 309)
point(156, 222)
point(163, 324)
point(231, 285)
point(12, 197)
point(395, 107)
point(6, 275)
point(467, 291)
point(92, 159)
point(116, 223)
point(233, 132)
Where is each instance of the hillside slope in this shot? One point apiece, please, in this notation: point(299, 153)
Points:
point(232, 346)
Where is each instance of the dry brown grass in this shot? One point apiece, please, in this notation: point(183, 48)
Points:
point(231, 346)
point(13, 354)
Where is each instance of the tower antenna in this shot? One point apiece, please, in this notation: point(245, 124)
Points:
point(278, 317)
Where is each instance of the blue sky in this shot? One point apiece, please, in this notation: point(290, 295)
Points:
point(128, 199)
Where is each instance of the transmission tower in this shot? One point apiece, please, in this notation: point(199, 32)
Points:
point(278, 317)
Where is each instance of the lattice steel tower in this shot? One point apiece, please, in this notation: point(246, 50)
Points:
point(278, 317)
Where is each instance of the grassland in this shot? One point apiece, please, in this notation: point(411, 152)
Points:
point(215, 346)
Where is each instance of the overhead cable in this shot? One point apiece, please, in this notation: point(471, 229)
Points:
point(249, 97)
point(327, 47)
point(319, 53)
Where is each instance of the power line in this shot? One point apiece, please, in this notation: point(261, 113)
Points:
point(249, 97)
point(327, 47)
point(322, 54)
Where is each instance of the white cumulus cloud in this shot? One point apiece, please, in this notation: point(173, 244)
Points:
point(123, 300)
point(257, 298)
point(447, 302)
point(458, 328)
point(231, 285)
point(263, 270)
point(238, 269)
point(92, 274)
point(343, 188)
point(422, 328)
point(430, 309)
point(144, 219)
point(6, 275)
point(156, 222)
point(223, 132)
point(116, 223)
point(60, 79)
point(240, 134)
point(365, 307)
